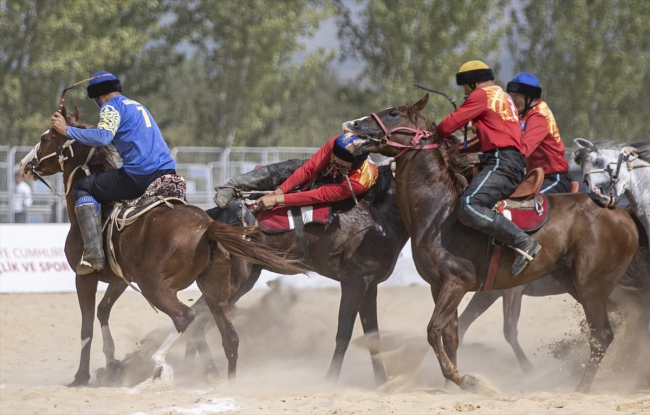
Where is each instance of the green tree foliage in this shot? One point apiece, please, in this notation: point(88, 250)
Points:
point(47, 45)
point(593, 59)
point(246, 52)
point(404, 41)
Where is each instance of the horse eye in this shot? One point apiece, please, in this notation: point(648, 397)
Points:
point(394, 113)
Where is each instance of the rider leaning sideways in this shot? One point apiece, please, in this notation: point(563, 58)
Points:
point(330, 164)
point(502, 166)
point(129, 126)
point(543, 145)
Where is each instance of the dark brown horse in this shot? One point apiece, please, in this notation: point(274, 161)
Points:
point(450, 256)
point(163, 252)
point(634, 287)
point(359, 248)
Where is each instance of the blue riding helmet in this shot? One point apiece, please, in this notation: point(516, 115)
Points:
point(525, 83)
point(341, 149)
point(104, 85)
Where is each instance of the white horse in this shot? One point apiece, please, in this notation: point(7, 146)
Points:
point(615, 170)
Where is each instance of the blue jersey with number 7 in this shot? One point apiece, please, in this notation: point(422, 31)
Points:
point(134, 133)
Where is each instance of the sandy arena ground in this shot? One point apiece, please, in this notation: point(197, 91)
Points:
point(287, 340)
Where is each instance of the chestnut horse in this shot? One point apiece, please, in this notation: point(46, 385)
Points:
point(163, 252)
point(450, 256)
point(359, 248)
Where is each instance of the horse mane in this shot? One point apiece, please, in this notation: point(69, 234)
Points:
point(450, 154)
point(103, 158)
point(642, 148)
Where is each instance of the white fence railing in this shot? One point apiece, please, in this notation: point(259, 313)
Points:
point(202, 167)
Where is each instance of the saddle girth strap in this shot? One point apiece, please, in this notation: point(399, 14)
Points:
point(491, 265)
point(301, 236)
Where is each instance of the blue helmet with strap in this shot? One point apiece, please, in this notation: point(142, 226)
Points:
point(343, 148)
point(103, 83)
point(525, 83)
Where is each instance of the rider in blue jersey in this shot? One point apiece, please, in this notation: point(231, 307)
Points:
point(129, 126)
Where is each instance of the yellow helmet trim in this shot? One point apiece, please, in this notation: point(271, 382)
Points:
point(473, 65)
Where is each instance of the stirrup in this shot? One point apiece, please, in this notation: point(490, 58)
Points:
point(523, 253)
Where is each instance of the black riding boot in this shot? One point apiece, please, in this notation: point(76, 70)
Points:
point(264, 178)
point(508, 233)
point(90, 223)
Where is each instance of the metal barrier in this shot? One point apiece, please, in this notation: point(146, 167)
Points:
point(202, 167)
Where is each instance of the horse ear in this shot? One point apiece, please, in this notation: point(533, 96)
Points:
point(64, 112)
point(75, 112)
point(419, 106)
point(582, 143)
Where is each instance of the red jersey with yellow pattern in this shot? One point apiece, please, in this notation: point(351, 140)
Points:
point(361, 180)
point(543, 145)
point(493, 113)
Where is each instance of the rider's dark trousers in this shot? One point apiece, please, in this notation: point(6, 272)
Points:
point(502, 170)
point(556, 183)
point(115, 185)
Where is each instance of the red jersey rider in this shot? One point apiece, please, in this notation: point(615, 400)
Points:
point(543, 145)
point(502, 166)
point(333, 162)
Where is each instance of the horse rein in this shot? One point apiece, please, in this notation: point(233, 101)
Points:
point(62, 158)
point(415, 144)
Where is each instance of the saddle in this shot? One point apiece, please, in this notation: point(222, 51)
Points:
point(526, 207)
point(167, 189)
point(285, 218)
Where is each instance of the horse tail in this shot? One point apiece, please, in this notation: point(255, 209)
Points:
point(247, 242)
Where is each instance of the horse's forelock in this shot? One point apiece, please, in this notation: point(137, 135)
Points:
point(581, 154)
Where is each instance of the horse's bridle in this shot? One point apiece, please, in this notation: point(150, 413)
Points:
point(68, 144)
point(415, 144)
point(62, 158)
point(624, 156)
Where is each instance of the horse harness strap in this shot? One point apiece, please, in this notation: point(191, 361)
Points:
point(123, 222)
point(491, 265)
point(624, 156)
point(62, 159)
point(301, 236)
point(416, 142)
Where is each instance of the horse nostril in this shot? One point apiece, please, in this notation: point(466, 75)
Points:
point(355, 124)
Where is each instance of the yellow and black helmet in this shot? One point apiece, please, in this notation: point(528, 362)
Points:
point(474, 72)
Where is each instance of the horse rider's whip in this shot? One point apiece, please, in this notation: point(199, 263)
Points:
point(452, 101)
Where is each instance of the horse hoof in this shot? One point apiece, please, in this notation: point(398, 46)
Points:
point(78, 383)
point(158, 372)
point(468, 383)
point(115, 370)
point(527, 368)
point(581, 388)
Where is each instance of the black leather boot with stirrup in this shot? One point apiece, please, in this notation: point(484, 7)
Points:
point(525, 247)
point(90, 224)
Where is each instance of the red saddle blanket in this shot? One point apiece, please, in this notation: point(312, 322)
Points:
point(529, 214)
point(281, 219)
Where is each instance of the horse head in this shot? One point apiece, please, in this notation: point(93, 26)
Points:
point(602, 172)
point(393, 130)
point(53, 148)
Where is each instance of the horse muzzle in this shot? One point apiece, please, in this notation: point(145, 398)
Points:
point(604, 201)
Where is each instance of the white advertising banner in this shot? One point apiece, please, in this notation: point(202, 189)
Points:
point(32, 259)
